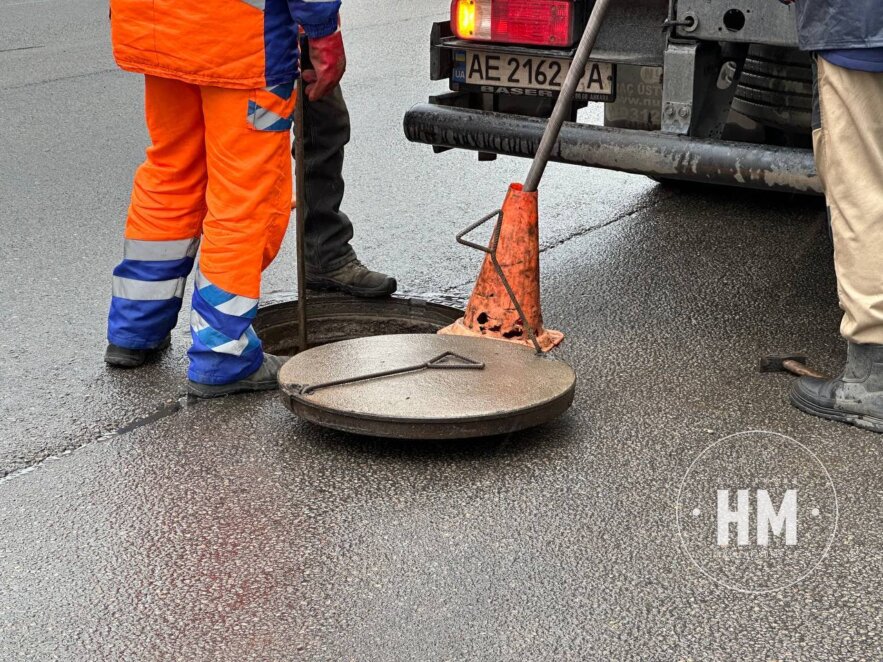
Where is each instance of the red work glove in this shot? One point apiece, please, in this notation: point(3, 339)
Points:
point(329, 62)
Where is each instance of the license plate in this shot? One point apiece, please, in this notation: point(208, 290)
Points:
point(530, 75)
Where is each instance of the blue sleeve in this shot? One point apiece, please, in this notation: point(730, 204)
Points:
point(857, 59)
point(318, 18)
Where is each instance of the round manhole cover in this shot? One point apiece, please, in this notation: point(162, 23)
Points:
point(426, 386)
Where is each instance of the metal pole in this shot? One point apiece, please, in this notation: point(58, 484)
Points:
point(300, 215)
point(562, 106)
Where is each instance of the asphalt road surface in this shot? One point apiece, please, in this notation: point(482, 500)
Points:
point(134, 528)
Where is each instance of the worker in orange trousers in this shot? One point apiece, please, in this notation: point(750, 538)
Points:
point(219, 97)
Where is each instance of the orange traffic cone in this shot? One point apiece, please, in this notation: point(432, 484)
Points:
point(491, 312)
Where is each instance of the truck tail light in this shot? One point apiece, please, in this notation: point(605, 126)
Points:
point(529, 22)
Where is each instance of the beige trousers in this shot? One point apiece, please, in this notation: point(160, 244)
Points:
point(849, 157)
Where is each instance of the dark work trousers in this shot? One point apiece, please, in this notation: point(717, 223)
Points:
point(328, 230)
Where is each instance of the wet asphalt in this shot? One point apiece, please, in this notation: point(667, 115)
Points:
point(136, 526)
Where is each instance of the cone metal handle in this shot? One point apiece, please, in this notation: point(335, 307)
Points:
point(491, 250)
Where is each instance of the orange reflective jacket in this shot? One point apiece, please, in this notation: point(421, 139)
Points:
point(225, 43)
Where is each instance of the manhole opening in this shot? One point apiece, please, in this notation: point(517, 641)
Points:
point(335, 317)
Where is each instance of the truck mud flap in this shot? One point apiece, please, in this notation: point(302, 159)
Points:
point(652, 153)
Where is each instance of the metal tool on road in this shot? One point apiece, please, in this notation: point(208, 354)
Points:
point(793, 363)
point(457, 384)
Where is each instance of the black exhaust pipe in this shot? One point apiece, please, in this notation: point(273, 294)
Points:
point(652, 153)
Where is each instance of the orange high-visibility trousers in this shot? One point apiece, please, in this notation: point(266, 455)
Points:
point(218, 170)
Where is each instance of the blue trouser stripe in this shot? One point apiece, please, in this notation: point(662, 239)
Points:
point(151, 271)
point(144, 323)
point(214, 339)
point(232, 326)
point(215, 296)
point(141, 324)
point(209, 367)
point(225, 347)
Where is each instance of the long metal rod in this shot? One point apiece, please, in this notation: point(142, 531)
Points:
point(562, 107)
point(301, 216)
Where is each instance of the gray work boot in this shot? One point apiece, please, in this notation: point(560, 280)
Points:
point(123, 357)
point(353, 278)
point(855, 398)
point(264, 379)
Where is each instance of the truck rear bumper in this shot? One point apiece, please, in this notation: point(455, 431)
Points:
point(651, 153)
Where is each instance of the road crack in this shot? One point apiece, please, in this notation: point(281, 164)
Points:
point(616, 219)
point(458, 288)
point(160, 412)
point(20, 48)
point(35, 83)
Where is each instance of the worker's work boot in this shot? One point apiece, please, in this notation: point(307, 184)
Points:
point(332, 263)
point(353, 278)
point(855, 398)
point(123, 357)
point(264, 379)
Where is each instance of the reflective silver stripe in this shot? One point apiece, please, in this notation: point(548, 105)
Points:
point(234, 347)
point(200, 280)
point(279, 89)
point(146, 290)
point(237, 306)
point(257, 4)
point(156, 251)
point(262, 118)
point(197, 323)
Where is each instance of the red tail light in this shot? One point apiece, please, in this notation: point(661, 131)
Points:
point(529, 22)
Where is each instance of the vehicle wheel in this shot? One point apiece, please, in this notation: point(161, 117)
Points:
point(776, 89)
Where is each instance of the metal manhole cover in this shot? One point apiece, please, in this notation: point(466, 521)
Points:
point(388, 386)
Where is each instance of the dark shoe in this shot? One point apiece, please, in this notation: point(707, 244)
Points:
point(855, 398)
point(264, 379)
point(353, 278)
point(122, 357)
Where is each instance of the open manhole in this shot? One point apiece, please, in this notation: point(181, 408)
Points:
point(335, 317)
